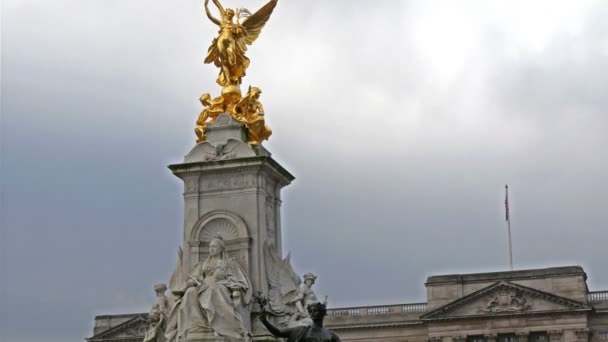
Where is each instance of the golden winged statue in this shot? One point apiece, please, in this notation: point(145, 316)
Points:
point(227, 51)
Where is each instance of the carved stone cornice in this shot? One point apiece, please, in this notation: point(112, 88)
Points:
point(253, 165)
point(134, 328)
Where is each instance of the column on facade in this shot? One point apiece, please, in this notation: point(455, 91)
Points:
point(491, 337)
point(522, 336)
point(582, 335)
point(555, 335)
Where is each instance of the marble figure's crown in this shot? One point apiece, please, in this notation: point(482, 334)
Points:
point(310, 276)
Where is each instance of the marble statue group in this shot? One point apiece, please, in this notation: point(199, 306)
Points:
point(215, 298)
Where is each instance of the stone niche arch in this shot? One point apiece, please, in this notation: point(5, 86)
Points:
point(230, 226)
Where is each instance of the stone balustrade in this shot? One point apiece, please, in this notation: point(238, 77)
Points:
point(593, 297)
point(597, 296)
point(378, 310)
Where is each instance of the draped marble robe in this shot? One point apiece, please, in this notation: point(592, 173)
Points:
point(210, 306)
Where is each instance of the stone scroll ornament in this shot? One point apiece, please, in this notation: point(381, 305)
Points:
point(314, 332)
point(287, 296)
point(227, 52)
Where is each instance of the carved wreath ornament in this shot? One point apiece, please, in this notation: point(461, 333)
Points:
point(507, 300)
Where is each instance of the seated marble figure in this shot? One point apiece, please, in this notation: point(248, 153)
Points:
point(210, 302)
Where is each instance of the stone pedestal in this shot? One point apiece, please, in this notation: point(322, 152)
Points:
point(203, 338)
point(233, 189)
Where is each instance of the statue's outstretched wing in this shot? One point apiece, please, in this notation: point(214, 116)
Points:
point(253, 24)
point(283, 281)
point(177, 280)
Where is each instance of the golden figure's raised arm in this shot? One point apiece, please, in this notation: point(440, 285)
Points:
point(210, 16)
point(219, 6)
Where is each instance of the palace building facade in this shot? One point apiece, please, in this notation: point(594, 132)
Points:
point(539, 305)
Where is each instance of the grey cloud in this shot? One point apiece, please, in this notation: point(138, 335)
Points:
point(393, 183)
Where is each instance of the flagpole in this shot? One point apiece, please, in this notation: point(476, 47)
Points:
point(508, 218)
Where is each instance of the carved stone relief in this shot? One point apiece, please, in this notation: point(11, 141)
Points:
point(270, 219)
point(221, 226)
point(232, 229)
point(228, 182)
point(507, 300)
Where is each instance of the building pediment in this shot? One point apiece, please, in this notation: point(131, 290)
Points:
point(505, 298)
point(133, 328)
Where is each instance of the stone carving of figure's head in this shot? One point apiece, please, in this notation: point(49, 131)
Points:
point(317, 311)
point(216, 246)
point(160, 289)
point(309, 279)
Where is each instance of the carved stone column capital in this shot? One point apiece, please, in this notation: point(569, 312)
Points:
point(555, 335)
point(491, 337)
point(582, 335)
point(522, 335)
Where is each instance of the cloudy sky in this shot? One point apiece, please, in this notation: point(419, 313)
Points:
point(401, 121)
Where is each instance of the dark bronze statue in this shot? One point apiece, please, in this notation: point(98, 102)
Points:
point(315, 332)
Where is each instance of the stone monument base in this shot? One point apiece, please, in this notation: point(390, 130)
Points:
point(207, 338)
point(210, 337)
point(203, 337)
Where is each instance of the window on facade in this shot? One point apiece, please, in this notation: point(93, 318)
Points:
point(538, 337)
point(507, 338)
point(476, 339)
point(602, 335)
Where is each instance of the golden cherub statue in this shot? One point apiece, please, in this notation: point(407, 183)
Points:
point(212, 109)
point(251, 112)
point(227, 52)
